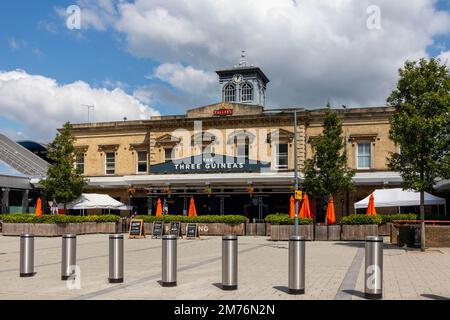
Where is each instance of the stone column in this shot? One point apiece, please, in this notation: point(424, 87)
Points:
point(5, 200)
point(25, 201)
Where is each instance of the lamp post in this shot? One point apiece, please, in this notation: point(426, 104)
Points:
point(294, 111)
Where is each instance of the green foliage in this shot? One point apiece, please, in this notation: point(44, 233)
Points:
point(420, 125)
point(402, 216)
point(31, 218)
point(284, 219)
point(198, 219)
point(63, 181)
point(357, 219)
point(327, 173)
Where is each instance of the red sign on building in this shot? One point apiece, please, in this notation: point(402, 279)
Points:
point(223, 112)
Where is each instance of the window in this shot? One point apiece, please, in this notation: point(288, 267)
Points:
point(242, 149)
point(79, 162)
point(282, 156)
point(229, 93)
point(247, 92)
point(364, 156)
point(110, 163)
point(142, 162)
point(168, 154)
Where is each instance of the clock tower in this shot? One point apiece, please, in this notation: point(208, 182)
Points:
point(243, 84)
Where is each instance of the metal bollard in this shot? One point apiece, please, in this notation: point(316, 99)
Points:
point(115, 258)
point(69, 255)
point(373, 288)
point(296, 265)
point(26, 255)
point(169, 261)
point(229, 262)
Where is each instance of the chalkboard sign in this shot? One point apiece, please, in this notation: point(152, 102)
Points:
point(137, 228)
point(158, 229)
point(192, 231)
point(175, 228)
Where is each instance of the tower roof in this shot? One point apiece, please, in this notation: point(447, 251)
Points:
point(244, 70)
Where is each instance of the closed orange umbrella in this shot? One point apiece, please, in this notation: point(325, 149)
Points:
point(331, 218)
point(192, 211)
point(292, 208)
point(159, 212)
point(39, 207)
point(305, 212)
point(371, 211)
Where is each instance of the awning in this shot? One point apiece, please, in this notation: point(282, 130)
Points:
point(398, 198)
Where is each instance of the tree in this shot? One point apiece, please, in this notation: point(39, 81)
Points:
point(327, 172)
point(63, 182)
point(420, 126)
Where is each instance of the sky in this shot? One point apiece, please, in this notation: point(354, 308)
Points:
point(136, 59)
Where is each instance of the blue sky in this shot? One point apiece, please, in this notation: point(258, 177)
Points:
point(160, 69)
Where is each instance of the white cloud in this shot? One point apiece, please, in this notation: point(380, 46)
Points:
point(312, 50)
point(41, 104)
point(445, 57)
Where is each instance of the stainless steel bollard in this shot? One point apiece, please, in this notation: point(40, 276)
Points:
point(115, 258)
point(169, 261)
point(296, 282)
point(229, 262)
point(69, 255)
point(373, 288)
point(26, 255)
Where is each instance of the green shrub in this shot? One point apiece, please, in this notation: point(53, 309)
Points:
point(284, 219)
point(198, 219)
point(390, 217)
point(31, 218)
point(356, 219)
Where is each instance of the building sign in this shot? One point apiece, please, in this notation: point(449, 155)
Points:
point(225, 110)
point(216, 163)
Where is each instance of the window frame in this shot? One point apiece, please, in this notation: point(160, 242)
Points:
point(138, 162)
point(165, 154)
point(357, 155)
point(246, 92)
point(227, 92)
point(106, 163)
point(285, 155)
point(78, 163)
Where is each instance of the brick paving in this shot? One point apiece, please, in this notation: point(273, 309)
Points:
point(334, 270)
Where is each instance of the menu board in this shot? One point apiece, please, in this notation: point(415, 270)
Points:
point(192, 231)
point(158, 229)
point(137, 228)
point(175, 228)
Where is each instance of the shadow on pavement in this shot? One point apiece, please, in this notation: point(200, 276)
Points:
point(355, 293)
point(218, 285)
point(282, 288)
point(434, 297)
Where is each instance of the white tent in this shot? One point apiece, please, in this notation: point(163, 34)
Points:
point(398, 198)
point(95, 201)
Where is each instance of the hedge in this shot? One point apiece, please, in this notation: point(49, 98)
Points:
point(284, 219)
point(31, 218)
point(356, 219)
point(403, 216)
point(198, 219)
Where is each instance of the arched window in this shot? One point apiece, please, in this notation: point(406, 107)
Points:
point(247, 92)
point(229, 93)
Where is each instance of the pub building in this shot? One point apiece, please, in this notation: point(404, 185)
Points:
point(233, 157)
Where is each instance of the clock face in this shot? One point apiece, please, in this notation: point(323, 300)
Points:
point(237, 78)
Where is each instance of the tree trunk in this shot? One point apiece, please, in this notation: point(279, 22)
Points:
point(422, 217)
point(65, 207)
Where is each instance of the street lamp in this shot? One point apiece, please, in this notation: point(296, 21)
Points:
point(294, 111)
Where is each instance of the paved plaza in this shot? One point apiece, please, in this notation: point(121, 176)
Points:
point(334, 270)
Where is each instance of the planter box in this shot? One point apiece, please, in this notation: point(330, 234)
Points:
point(283, 232)
point(58, 229)
point(384, 229)
point(268, 229)
point(327, 233)
point(205, 229)
point(358, 232)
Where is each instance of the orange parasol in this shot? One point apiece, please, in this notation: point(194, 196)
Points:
point(39, 207)
point(292, 208)
point(192, 211)
point(305, 211)
point(371, 211)
point(159, 212)
point(331, 218)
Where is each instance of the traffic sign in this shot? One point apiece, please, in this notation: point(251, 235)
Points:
point(298, 195)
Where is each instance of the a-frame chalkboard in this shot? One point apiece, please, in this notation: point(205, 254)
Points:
point(136, 229)
point(158, 229)
point(175, 228)
point(192, 231)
